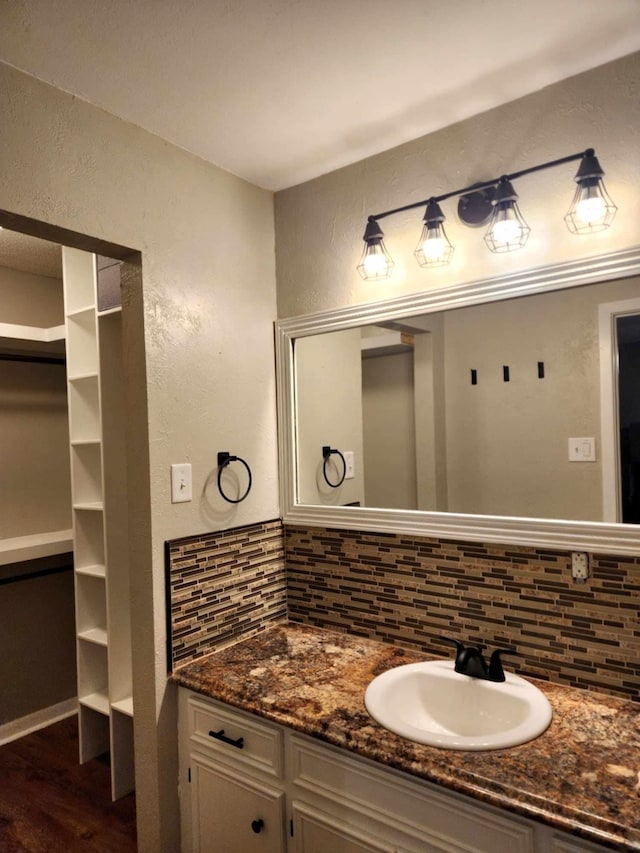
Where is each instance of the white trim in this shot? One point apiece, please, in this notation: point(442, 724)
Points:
point(38, 720)
point(591, 536)
point(609, 414)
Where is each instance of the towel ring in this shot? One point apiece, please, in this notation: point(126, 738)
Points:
point(326, 456)
point(224, 459)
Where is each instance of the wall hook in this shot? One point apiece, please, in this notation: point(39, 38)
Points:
point(224, 459)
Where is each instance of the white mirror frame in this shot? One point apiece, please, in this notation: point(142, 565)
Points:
point(547, 533)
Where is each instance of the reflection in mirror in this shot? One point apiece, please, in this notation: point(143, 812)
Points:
point(492, 409)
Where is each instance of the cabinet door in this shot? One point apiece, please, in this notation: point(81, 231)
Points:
point(233, 814)
point(317, 832)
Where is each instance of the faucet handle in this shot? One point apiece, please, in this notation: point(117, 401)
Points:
point(459, 645)
point(496, 672)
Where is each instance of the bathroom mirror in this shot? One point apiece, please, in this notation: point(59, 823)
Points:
point(487, 411)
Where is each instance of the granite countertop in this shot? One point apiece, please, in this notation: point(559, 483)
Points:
point(579, 776)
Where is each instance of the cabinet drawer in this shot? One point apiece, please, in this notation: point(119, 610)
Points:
point(234, 737)
point(438, 821)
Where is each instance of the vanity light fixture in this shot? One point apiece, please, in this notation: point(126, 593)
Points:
point(591, 209)
point(434, 248)
point(376, 262)
point(508, 231)
point(493, 202)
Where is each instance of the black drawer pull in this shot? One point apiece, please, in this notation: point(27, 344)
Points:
point(257, 825)
point(239, 744)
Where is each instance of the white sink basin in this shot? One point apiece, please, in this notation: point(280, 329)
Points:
point(431, 703)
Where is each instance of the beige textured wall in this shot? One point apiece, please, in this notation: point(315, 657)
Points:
point(34, 452)
point(35, 497)
point(38, 661)
point(319, 224)
point(34, 457)
point(30, 300)
point(329, 411)
point(207, 244)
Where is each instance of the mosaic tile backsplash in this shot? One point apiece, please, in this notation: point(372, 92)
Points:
point(223, 586)
point(409, 591)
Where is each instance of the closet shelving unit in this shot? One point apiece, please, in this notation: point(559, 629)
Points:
point(98, 486)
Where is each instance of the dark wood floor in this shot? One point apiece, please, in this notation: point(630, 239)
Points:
point(51, 804)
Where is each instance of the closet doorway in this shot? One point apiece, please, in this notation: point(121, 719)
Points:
point(63, 544)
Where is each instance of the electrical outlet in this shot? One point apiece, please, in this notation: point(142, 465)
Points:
point(181, 483)
point(579, 566)
point(349, 465)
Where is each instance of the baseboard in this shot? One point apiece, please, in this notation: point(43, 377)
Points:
point(38, 720)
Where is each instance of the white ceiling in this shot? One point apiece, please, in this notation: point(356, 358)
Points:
point(29, 254)
point(281, 91)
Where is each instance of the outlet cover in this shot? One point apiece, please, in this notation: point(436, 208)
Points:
point(579, 566)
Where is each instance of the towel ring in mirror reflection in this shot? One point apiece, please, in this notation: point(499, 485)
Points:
point(326, 456)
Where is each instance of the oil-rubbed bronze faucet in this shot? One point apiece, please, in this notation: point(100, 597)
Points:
point(470, 661)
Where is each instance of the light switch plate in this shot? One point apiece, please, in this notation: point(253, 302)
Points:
point(349, 465)
point(582, 449)
point(181, 483)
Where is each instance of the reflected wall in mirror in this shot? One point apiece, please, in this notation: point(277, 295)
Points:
point(478, 409)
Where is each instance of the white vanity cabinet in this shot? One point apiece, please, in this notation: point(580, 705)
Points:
point(232, 791)
point(389, 811)
point(248, 785)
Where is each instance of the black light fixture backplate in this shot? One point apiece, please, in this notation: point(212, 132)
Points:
point(475, 208)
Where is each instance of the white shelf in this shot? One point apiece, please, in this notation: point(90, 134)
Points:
point(15, 332)
point(22, 548)
point(87, 310)
point(95, 571)
point(110, 311)
point(98, 701)
point(86, 467)
point(83, 377)
point(124, 706)
point(94, 635)
point(84, 408)
point(95, 383)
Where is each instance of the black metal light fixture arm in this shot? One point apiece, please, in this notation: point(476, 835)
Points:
point(483, 185)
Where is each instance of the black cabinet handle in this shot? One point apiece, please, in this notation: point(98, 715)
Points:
point(239, 743)
point(257, 825)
